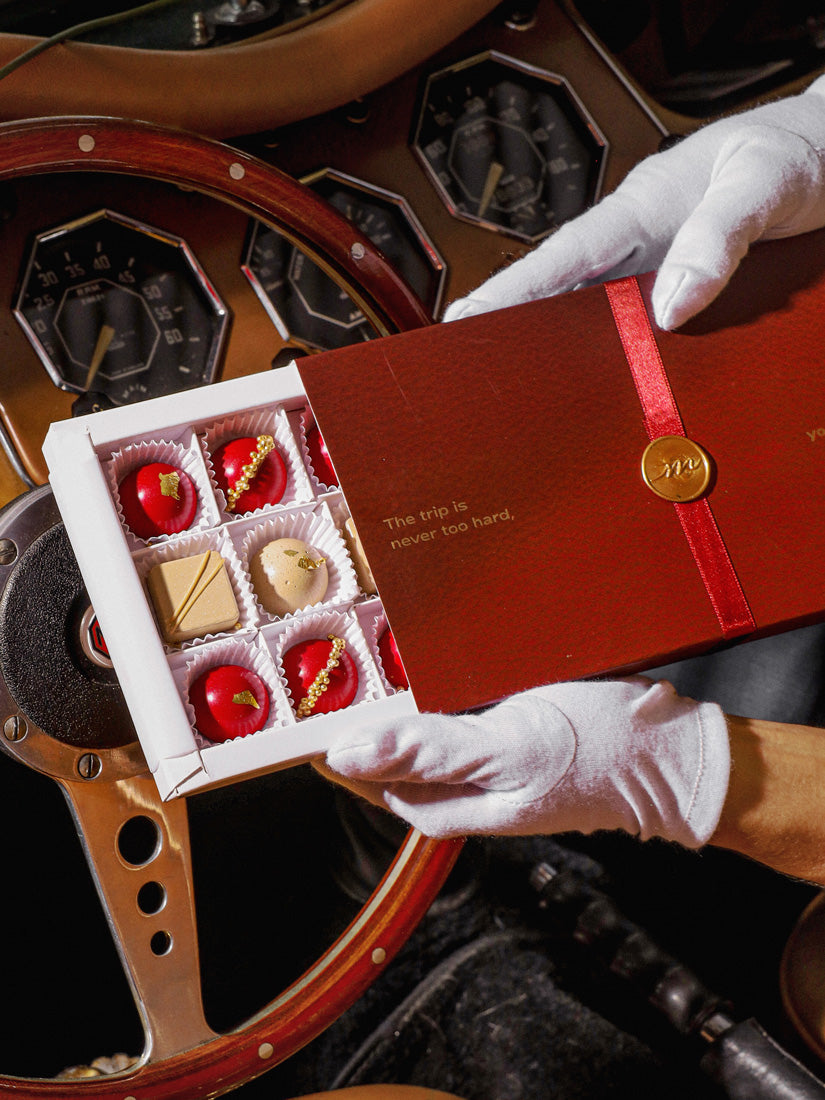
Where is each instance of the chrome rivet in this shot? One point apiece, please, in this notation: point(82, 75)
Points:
point(266, 1050)
point(86, 143)
point(237, 171)
point(379, 956)
point(357, 251)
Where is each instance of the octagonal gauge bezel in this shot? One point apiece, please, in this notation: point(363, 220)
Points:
point(191, 267)
point(573, 107)
point(391, 201)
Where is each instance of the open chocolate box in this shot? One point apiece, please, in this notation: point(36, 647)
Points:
point(498, 470)
point(89, 460)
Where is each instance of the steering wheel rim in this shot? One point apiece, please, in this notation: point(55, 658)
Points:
point(95, 144)
point(209, 1064)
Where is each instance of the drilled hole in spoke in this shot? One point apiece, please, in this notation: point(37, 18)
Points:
point(161, 943)
point(151, 898)
point(139, 841)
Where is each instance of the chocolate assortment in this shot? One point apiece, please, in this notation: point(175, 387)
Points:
point(265, 551)
point(242, 631)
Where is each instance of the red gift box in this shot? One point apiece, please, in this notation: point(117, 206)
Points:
point(493, 468)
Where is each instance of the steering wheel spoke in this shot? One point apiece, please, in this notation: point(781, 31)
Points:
point(138, 851)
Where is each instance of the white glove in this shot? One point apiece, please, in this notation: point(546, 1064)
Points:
point(629, 754)
point(691, 211)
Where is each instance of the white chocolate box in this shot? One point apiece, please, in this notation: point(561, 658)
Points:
point(87, 455)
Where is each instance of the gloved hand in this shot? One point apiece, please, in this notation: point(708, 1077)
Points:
point(691, 211)
point(629, 754)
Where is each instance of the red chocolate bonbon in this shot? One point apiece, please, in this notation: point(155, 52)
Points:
point(319, 456)
point(229, 701)
point(251, 473)
point(157, 499)
point(391, 661)
point(321, 676)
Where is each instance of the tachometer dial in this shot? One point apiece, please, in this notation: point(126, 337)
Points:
point(508, 146)
point(114, 306)
point(303, 301)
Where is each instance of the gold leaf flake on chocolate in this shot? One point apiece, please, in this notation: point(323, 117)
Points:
point(310, 563)
point(246, 699)
point(305, 562)
point(169, 484)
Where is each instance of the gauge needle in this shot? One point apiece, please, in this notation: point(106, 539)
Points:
point(490, 185)
point(101, 347)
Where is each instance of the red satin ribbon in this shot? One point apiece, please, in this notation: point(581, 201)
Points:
point(661, 416)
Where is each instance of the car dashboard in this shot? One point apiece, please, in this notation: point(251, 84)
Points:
point(455, 137)
point(406, 161)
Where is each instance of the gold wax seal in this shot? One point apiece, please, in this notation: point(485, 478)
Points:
point(676, 468)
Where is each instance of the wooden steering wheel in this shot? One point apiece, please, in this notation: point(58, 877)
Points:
point(147, 890)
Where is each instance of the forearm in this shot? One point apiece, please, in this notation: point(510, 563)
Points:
point(774, 811)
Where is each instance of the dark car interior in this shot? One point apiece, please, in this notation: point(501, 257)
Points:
point(378, 200)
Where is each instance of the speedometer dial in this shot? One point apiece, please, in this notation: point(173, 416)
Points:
point(508, 146)
point(116, 307)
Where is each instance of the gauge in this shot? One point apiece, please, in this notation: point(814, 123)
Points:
point(305, 304)
point(116, 307)
point(508, 146)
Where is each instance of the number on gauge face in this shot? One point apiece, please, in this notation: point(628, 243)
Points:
point(507, 146)
point(305, 304)
point(114, 306)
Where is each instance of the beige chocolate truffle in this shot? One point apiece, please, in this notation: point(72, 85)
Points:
point(288, 575)
point(366, 581)
point(192, 597)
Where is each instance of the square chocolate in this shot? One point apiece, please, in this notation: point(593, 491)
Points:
point(192, 597)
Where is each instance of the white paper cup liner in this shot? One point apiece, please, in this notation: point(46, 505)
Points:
point(360, 564)
point(334, 500)
point(230, 651)
point(374, 623)
point(316, 529)
point(199, 543)
point(321, 625)
point(307, 424)
point(272, 422)
point(185, 457)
